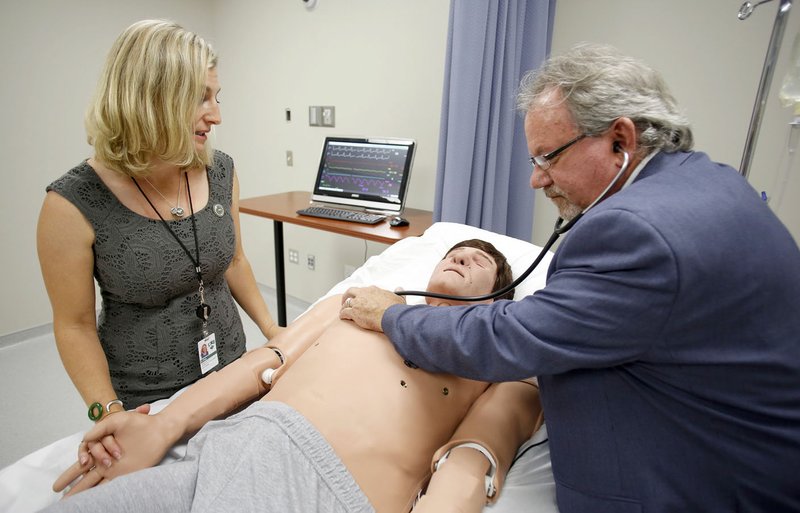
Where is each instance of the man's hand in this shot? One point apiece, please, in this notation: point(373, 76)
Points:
point(365, 306)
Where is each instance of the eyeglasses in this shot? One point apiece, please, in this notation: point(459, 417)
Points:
point(543, 161)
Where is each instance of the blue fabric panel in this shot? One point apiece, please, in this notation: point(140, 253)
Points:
point(482, 177)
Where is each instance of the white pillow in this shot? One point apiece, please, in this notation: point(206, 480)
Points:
point(408, 264)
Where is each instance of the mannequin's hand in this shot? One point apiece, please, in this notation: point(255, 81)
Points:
point(139, 439)
point(107, 449)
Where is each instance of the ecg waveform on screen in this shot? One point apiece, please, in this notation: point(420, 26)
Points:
point(368, 170)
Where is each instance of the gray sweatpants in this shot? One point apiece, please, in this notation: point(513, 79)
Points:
point(265, 458)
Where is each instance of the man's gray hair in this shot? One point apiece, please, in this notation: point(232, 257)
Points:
point(598, 84)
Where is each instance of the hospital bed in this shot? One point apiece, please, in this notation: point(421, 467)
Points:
point(25, 485)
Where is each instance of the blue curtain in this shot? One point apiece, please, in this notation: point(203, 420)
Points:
point(483, 171)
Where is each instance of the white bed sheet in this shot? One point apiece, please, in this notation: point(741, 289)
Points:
point(25, 485)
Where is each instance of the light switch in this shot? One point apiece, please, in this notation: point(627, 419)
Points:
point(289, 158)
point(328, 116)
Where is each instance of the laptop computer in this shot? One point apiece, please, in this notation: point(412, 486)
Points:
point(363, 174)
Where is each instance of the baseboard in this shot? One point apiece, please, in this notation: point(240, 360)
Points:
point(17, 337)
point(292, 303)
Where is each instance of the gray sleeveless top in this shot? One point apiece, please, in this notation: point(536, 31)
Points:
point(148, 326)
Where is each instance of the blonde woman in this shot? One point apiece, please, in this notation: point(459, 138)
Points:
point(153, 218)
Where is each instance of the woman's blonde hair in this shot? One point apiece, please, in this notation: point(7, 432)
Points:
point(147, 98)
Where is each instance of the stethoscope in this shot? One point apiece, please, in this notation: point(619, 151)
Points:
point(559, 229)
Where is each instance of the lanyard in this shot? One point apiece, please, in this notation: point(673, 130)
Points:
point(203, 310)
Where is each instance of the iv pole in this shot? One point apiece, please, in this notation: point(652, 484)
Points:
point(778, 28)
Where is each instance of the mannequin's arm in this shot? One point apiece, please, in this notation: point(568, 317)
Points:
point(241, 381)
point(501, 419)
point(303, 332)
point(144, 439)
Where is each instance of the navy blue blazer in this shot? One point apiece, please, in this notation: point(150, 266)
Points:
point(667, 345)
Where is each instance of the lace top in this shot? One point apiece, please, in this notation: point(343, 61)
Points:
point(147, 325)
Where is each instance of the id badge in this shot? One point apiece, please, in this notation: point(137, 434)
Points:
point(207, 353)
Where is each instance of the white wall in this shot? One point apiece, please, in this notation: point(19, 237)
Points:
point(712, 62)
point(52, 54)
point(379, 62)
point(383, 72)
point(380, 67)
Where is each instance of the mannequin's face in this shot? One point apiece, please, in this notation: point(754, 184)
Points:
point(464, 271)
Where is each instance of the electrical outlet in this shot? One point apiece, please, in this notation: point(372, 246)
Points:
point(294, 256)
point(312, 262)
point(314, 116)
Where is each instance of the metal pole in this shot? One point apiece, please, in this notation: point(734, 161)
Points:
point(778, 28)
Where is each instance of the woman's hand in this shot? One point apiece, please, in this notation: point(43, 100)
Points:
point(122, 443)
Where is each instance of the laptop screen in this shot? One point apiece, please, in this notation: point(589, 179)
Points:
point(368, 173)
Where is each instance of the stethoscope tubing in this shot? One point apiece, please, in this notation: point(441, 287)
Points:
point(559, 229)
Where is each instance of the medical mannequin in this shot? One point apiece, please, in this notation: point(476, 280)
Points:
point(387, 420)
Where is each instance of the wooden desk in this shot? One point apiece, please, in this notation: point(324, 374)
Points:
point(283, 207)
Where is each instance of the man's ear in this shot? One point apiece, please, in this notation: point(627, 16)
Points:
point(623, 136)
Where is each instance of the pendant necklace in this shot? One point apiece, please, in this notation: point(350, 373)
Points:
point(203, 310)
point(176, 210)
point(208, 357)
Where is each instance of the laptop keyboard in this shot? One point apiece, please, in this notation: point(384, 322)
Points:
point(342, 215)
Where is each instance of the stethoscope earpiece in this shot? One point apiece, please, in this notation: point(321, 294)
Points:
point(559, 229)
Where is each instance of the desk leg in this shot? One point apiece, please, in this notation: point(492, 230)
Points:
point(280, 273)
